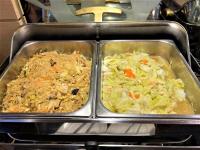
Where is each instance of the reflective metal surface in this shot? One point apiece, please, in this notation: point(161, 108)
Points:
point(87, 48)
point(119, 129)
point(181, 13)
point(165, 49)
point(51, 142)
point(188, 11)
point(191, 10)
point(148, 30)
point(98, 32)
point(83, 147)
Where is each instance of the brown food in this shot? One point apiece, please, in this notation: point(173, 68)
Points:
point(50, 82)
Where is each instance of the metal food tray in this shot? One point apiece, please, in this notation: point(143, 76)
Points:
point(167, 50)
point(86, 48)
point(98, 32)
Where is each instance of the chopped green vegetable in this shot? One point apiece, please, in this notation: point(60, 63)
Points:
point(153, 90)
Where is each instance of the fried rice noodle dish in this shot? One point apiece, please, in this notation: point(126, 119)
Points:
point(50, 82)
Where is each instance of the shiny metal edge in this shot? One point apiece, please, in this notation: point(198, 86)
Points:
point(155, 23)
point(102, 112)
point(179, 26)
point(101, 145)
point(92, 92)
point(148, 147)
point(27, 29)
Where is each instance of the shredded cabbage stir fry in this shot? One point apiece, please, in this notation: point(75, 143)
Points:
point(140, 83)
point(50, 82)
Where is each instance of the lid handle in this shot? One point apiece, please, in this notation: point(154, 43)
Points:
point(98, 12)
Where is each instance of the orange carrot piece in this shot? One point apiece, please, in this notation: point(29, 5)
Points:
point(144, 61)
point(134, 96)
point(129, 73)
point(137, 96)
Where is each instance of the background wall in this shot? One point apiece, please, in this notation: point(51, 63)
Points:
point(11, 17)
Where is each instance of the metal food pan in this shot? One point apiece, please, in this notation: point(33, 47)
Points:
point(87, 48)
point(167, 50)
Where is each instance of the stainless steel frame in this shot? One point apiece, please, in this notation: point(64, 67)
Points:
point(100, 146)
point(87, 48)
point(135, 142)
point(96, 32)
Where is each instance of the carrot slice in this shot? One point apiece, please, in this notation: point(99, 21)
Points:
point(129, 73)
point(134, 96)
point(137, 96)
point(144, 61)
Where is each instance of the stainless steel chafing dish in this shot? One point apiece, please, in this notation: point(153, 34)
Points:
point(86, 48)
point(165, 49)
point(169, 35)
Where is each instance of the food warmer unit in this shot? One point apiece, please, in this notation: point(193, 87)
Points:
point(93, 126)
